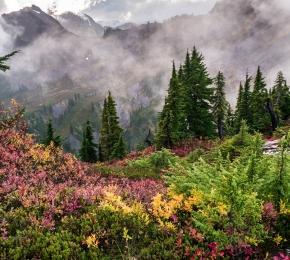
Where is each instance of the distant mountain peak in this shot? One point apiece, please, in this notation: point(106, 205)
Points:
point(82, 25)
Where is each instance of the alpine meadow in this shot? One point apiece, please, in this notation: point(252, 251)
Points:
point(135, 129)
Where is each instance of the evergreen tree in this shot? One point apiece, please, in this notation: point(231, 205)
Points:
point(230, 128)
point(111, 132)
point(244, 104)
point(238, 113)
point(220, 104)
point(261, 119)
point(50, 136)
point(164, 136)
point(4, 59)
point(197, 94)
point(88, 152)
point(104, 148)
point(170, 121)
point(281, 97)
point(187, 111)
point(119, 150)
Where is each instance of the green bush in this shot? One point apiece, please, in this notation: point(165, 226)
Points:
point(156, 161)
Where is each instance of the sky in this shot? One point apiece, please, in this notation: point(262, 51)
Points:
point(122, 11)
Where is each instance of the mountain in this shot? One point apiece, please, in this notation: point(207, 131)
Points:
point(134, 62)
point(33, 23)
point(82, 25)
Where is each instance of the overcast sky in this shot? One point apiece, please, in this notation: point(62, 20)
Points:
point(137, 11)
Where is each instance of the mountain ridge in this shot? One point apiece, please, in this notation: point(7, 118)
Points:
point(135, 61)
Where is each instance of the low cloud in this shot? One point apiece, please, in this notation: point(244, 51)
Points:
point(140, 11)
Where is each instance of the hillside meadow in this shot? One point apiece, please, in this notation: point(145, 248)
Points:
point(223, 200)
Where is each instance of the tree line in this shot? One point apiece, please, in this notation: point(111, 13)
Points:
point(195, 107)
point(111, 144)
point(196, 104)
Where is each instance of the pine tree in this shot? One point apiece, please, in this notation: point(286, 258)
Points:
point(261, 119)
point(238, 113)
point(170, 120)
point(104, 148)
point(197, 96)
point(164, 136)
point(230, 127)
point(244, 104)
point(281, 97)
point(88, 151)
point(4, 59)
point(111, 132)
point(50, 136)
point(220, 104)
point(119, 150)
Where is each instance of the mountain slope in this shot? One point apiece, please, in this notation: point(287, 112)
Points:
point(235, 36)
point(33, 23)
point(83, 25)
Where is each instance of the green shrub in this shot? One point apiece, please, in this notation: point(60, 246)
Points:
point(156, 161)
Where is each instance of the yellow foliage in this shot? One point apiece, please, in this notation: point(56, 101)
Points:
point(126, 235)
point(168, 226)
point(92, 241)
point(166, 208)
point(193, 200)
point(223, 209)
point(278, 239)
point(114, 203)
point(284, 209)
point(252, 241)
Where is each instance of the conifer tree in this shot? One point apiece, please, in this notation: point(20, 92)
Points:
point(230, 128)
point(244, 104)
point(111, 132)
point(246, 101)
point(197, 96)
point(164, 135)
point(261, 119)
point(281, 97)
point(220, 104)
point(170, 121)
point(4, 59)
point(119, 150)
point(88, 151)
point(238, 113)
point(104, 148)
point(50, 136)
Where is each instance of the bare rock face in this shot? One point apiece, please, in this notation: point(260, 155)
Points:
point(82, 25)
point(271, 147)
point(33, 22)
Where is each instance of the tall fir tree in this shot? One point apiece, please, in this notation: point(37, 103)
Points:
point(281, 97)
point(198, 95)
point(119, 150)
point(230, 128)
point(50, 136)
point(3, 61)
point(163, 135)
point(238, 112)
point(104, 148)
point(261, 119)
point(111, 140)
point(171, 118)
point(243, 111)
point(88, 151)
point(220, 104)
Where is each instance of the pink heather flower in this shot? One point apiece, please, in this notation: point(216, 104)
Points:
point(269, 211)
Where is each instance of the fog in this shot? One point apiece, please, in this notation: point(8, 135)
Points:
point(231, 39)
